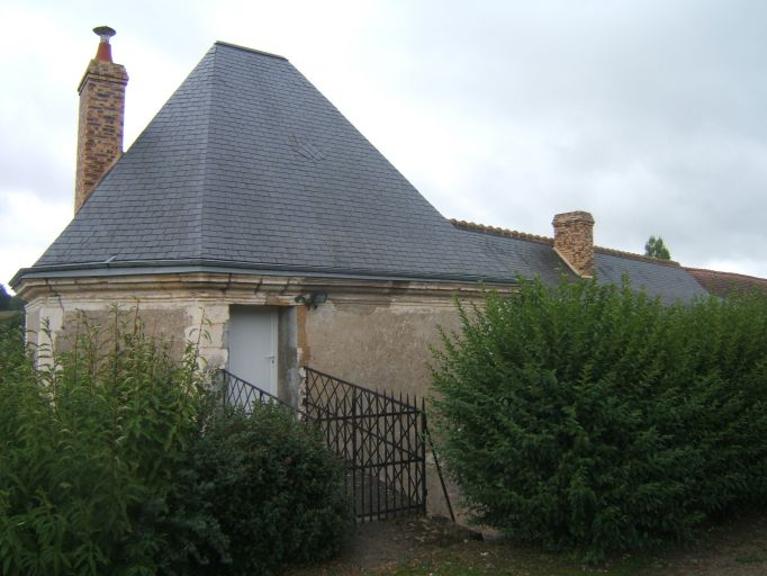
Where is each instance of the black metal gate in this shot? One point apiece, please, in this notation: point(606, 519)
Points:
point(382, 439)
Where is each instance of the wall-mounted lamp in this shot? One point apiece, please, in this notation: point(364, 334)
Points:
point(312, 299)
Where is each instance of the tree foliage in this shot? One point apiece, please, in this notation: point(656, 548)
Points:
point(595, 418)
point(5, 299)
point(655, 248)
point(8, 302)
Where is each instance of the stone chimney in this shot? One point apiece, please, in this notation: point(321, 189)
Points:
point(102, 108)
point(574, 241)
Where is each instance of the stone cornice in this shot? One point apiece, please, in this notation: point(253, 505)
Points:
point(279, 289)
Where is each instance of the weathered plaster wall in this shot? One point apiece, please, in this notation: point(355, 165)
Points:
point(175, 320)
point(383, 345)
point(378, 343)
point(288, 369)
point(373, 333)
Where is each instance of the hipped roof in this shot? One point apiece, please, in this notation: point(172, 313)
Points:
point(248, 164)
point(249, 167)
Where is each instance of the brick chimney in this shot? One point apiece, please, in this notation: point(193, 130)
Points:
point(102, 108)
point(574, 241)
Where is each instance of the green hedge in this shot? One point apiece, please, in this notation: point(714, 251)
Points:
point(115, 459)
point(595, 418)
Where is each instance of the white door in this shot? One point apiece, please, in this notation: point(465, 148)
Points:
point(253, 346)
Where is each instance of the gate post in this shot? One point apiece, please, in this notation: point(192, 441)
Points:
point(303, 393)
point(423, 454)
point(354, 453)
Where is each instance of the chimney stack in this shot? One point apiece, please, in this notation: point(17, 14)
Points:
point(574, 241)
point(102, 109)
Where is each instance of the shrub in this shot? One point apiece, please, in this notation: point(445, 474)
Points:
point(89, 449)
point(115, 458)
point(275, 489)
point(593, 417)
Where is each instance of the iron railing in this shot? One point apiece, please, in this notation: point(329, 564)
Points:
point(237, 392)
point(380, 436)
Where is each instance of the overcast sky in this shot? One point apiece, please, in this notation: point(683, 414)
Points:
point(649, 114)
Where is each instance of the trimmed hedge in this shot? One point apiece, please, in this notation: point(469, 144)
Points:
point(595, 418)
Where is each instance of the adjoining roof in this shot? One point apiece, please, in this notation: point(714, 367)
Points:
point(725, 284)
point(518, 257)
point(248, 164)
point(669, 282)
point(665, 279)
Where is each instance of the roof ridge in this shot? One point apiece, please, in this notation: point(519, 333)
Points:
point(246, 49)
point(635, 256)
point(507, 233)
point(211, 85)
point(497, 231)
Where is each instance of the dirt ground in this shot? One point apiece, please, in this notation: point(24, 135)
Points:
point(738, 548)
point(415, 546)
point(377, 546)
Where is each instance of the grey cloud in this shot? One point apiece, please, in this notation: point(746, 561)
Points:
point(663, 101)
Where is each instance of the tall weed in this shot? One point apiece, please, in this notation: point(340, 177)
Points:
point(89, 448)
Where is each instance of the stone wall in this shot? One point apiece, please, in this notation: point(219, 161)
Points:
point(377, 335)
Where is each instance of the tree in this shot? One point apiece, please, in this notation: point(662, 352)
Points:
point(655, 248)
point(8, 302)
point(5, 299)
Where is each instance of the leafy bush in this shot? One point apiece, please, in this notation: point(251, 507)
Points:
point(116, 459)
point(89, 448)
point(275, 489)
point(593, 417)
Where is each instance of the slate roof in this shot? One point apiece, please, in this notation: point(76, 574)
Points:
point(658, 278)
point(669, 281)
point(248, 166)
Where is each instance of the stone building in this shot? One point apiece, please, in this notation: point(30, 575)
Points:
point(249, 204)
